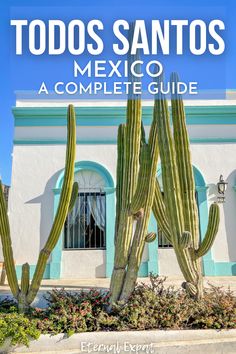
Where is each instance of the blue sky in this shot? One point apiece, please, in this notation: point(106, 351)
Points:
point(26, 72)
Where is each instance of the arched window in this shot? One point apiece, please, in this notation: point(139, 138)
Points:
point(85, 227)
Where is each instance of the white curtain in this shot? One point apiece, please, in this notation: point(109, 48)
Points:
point(96, 205)
point(77, 210)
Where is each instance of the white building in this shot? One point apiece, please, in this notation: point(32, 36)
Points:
point(86, 247)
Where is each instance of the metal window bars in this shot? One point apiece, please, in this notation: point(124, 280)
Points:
point(85, 227)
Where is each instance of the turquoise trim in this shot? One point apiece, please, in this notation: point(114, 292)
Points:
point(212, 140)
point(32, 270)
point(225, 268)
point(61, 142)
point(110, 232)
point(211, 268)
point(56, 258)
point(91, 166)
point(143, 270)
point(113, 116)
point(112, 142)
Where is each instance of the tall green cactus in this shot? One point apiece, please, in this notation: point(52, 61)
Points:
point(141, 205)
point(138, 193)
point(134, 200)
point(179, 208)
point(27, 292)
point(128, 149)
point(128, 161)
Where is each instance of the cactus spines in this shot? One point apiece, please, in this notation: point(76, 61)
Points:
point(149, 152)
point(7, 246)
point(180, 223)
point(143, 135)
point(151, 236)
point(212, 229)
point(186, 239)
point(159, 211)
point(128, 160)
point(119, 173)
point(63, 206)
point(139, 197)
point(129, 141)
point(25, 276)
point(190, 288)
point(74, 195)
point(28, 291)
point(184, 165)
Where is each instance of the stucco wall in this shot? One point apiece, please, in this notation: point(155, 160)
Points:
point(167, 262)
point(36, 169)
point(213, 160)
point(34, 174)
point(83, 264)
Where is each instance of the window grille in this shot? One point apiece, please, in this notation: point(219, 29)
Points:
point(162, 240)
point(85, 227)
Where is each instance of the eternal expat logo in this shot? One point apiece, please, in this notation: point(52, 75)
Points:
point(116, 348)
point(55, 38)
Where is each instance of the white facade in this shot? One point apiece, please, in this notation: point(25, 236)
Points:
point(38, 161)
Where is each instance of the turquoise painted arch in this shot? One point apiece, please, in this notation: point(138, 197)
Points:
point(91, 166)
point(55, 264)
point(210, 267)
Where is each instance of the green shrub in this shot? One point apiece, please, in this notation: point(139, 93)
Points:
point(8, 305)
point(17, 327)
point(157, 307)
point(72, 312)
point(153, 306)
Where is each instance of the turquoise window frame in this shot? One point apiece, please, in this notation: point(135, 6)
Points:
point(56, 257)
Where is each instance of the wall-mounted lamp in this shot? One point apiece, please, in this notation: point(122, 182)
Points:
point(222, 186)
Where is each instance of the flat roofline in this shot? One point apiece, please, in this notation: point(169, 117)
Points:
point(30, 99)
point(99, 103)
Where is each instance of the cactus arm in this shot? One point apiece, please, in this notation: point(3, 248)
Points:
point(140, 234)
point(212, 229)
point(171, 185)
point(187, 190)
point(131, 151)
point(149, 159)
point(25, 278)
point(63, 206)
point(170, 176)
point(119, 174)
point(159, 212)
point(184, 165)
point(186, 240)
point(151, 236)
point(139, 197)
point(74, 195)
point(130, 175)
point(143, 135)
point(7, 246)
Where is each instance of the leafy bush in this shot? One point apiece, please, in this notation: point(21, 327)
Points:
point(8, 305)
point(17, 327)
point(153, 306)
point(72, 312)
